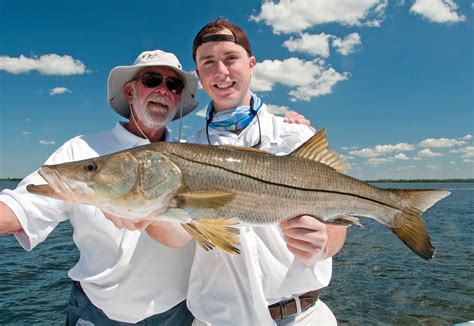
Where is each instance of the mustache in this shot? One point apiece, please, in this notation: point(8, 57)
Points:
point(162, 99)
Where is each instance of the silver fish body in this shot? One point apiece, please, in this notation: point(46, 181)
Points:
point(211, 188)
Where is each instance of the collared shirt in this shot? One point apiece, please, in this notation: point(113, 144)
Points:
point(236, 290)
point(125, 273)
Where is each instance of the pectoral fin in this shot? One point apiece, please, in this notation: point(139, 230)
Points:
point(215, 233)
point(202, 199)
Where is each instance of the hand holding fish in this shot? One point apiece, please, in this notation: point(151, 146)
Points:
point(295, 117)
point(167, 233)
point(123, 223)
point(306, 238)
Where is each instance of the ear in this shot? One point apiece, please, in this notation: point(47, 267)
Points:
point(128, 92)
point(197, 72)
point(253, 62)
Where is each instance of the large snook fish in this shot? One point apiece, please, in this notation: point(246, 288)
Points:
point(211, 189)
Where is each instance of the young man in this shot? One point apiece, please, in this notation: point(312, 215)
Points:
point(276, 277)
point(122, 276)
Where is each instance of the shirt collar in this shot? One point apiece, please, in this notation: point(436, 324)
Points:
point(130, 140)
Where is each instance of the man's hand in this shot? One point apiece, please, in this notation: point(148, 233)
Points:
point(306, 238)
point(295, 117)
point(311, 240)
point(168, 233)
point(123, 223)
point(9, 223)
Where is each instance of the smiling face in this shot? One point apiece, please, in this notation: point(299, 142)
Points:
point(225, 70)
point(153, 107)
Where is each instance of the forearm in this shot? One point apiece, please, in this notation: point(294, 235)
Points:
point(168, 233)
point(336, 235)
point(9, 223)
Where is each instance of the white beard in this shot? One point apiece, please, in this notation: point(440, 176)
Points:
point(146, 116)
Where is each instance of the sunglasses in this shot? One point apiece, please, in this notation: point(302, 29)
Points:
point(153, 79)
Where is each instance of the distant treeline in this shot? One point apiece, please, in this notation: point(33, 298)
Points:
point(421, 180)
point(11, 179)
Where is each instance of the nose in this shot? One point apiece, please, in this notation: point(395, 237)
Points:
point(222, 69)
point(162, 89)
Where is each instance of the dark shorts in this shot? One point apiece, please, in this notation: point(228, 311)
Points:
point(81, 311)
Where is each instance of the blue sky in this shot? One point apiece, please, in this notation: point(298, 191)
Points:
point(392, 81)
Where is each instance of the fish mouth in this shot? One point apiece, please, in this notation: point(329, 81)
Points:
point(57, 186)
point(44, 190)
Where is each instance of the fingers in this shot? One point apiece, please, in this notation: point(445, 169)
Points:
point(306, 238)
point(132, 225)
point(303, 221)
point(295, 117)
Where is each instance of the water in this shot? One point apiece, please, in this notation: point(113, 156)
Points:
point(376, 279)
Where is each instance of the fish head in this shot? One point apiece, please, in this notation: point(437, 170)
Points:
point(93, 180)
point(127, 184)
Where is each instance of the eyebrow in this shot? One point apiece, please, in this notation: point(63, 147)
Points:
point(210, 56)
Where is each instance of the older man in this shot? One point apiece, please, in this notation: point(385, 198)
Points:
point(122, 276)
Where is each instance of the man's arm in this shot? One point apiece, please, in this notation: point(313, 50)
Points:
point(311, 240)
point(168, 233)
point(9, 223)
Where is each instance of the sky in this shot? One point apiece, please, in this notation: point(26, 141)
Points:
point(391, 81)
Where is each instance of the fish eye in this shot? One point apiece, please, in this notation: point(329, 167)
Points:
point(91, 167)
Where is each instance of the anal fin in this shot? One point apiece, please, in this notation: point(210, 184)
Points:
point(346, 220)
point(220, 233)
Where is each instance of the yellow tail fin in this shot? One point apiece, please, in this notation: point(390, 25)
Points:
point(412, 227)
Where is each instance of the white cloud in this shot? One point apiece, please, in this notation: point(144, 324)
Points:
point(288, 16)
point(277, 109)
point(441, 142)
point(427, 153)
point(317, 45)
point(405, 168)
point(26, 134)
point(347, 45)
point(468, 160)
point(467, 151)
point(382, 150)
point(47, 142)
point(377, 161)
point(307, 78)
point(59, 90)
point(433, 167)
point(202, 113)
point(400, 157)
point(467, 137)
point(48, 64)
point(437, 11)
point(346, 157)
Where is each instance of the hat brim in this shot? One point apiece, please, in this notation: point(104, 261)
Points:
point(123, 74)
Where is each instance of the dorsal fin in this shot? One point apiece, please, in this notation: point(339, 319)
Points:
point(316, 149)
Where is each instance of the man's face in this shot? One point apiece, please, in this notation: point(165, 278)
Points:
point(225, 70)
point(153, 107)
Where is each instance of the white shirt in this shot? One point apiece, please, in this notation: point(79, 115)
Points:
point(236, 290)
point(126, 273)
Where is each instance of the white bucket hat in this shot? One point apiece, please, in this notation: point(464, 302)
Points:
point(122, 74)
